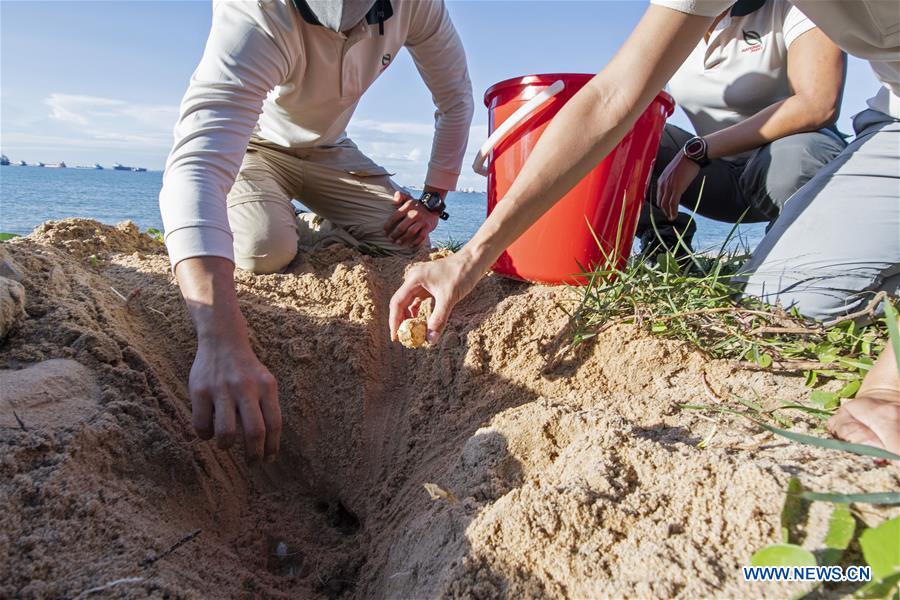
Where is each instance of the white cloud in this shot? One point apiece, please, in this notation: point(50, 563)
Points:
point(113, 121)
point(113, 126)
point(404, 148)
point(393, 127)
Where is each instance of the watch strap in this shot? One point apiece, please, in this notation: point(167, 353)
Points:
point(439, 209)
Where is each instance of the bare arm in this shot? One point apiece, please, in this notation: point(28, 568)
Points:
point(815, 69)
point(584, 131)
point(227, 380)
point(247, 54)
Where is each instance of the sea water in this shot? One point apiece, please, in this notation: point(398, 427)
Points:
point(31, 195)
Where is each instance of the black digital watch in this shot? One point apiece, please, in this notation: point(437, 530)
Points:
point(433, 202)
point(696, 149)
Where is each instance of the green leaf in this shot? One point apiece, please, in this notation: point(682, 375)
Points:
point(841, 527)
point(829, 372)
point(764, 361)
point(849, 390)
point(812, 377)
point(866, 346)
point(826, 353)
point(783, 555)
point(881, 548)
point(862, 363)
point(835, 335)
point(658, 327)
point(890, 317)
point(667, 263)
point(7, 236)
point(793, 512)
point(847, 376)
point(830, 443)
point(827, 400)
point(754, 406)
point(881, 588)
point(888, 498)
point(807, 409)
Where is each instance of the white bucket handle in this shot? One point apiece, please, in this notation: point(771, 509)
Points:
point(514, 120)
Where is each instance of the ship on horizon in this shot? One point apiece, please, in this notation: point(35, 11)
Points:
point(121, 167)
point(4, 161)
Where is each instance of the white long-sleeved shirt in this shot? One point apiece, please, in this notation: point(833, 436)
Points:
point(266, 72)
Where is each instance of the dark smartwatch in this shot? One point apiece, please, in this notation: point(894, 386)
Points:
point(433, 202)
point(696, 150)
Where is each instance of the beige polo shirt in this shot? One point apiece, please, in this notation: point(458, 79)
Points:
point(868, 29)
point(267, 72)
point(741, 69)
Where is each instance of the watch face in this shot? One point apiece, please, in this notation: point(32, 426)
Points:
point(431, 201)
point(694, 148)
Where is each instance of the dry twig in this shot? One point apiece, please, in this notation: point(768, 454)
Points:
point(149, 561)
point(787, 330)
point(159, 312)
point(709, 391)
point(119, 294)
point(789, 365)
point(19, 421)
point(108, 585)
point(132, 295)
point(868, 311)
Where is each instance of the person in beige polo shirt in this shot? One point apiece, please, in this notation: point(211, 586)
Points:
point(762, 62)
point(835, 244)
point(263, 122)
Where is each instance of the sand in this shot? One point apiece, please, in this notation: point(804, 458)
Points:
point(553, 474)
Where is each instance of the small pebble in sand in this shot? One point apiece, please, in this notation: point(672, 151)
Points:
point(412, 332)
point(281, 550)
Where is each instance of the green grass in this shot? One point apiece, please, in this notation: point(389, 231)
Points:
point(880, 544)
point(8, 236)
point(695, 299)
point(451, 244)
point(155, 233)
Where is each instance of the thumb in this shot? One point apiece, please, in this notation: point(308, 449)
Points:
point(438, 319)
point(399, 198)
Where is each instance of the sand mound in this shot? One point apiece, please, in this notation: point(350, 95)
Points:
point(575, 476)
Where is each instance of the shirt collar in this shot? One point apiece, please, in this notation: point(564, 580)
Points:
point(743, 8)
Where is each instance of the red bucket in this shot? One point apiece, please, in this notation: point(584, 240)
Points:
point(606, 203)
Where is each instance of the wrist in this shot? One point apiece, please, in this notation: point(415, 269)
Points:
point(207, 285)
point(433, 202)
point(222, 328)
point(476, 256)
point(435, 190)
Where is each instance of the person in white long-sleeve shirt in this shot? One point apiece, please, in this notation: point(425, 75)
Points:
point(263, 122)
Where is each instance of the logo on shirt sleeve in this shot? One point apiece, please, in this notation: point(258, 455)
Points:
point(753, 40)
point(386, 61)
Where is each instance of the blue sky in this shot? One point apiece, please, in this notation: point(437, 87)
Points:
point(100, 81)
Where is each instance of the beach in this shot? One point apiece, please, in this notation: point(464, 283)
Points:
point(499, 463)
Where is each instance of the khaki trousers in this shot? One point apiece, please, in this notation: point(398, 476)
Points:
point(350, 195)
